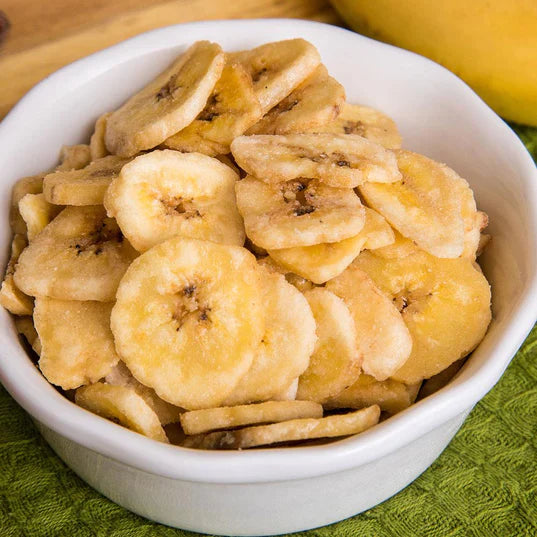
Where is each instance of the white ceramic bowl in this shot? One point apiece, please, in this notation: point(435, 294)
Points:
point(284, 490)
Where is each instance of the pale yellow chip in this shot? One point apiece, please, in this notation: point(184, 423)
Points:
point(74, 157)
point(302, 284)
point(285, 346)
point(391, 396)
point(188, 319)
point(445, 303)
point(383, 338)
point(123, 405)
point(289, 431)
point(297, 213)
point(80, 255)
point(210, 419)
point(77, 346)
point(316, 102)
point(11, 297)
point(167, 104)
point(27, 185)
point(37, 213)
point(166, 193)
point(25, 326)
point(121, 376)
point(230, 110)
point(400, 247)
point(339, 160)
point(364, 121)
point(335, 362)
point(86, 186)
point(97, 144)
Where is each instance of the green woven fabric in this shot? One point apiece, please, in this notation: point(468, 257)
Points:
point(483, 485)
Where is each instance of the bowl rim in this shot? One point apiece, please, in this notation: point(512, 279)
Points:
point(54, 411)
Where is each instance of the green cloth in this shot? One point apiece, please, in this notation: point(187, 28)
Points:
point(483, 485)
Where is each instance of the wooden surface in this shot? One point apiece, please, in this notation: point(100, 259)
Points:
point(44, 35)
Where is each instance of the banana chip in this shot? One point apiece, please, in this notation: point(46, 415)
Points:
point(400, 247)
point(335, 362)
point(285, 346)
point(316, 102)
point(289, 431)
point(122, 405)
point(276, 69)
point(339, 160)
point(37, 213)
point(297, 213)
point(383, 338)
point(302, 284)
point(77, 346)
point(11, 297)
point(86, 186)
point(97, 144)
point(188, 319)
point(27, 185)
point(167, 104)
point(230, 110)
point(364, 121)
point(80, 255)
point(74, 157)
point(210, 419)
point(445, 303)
point(166, 193)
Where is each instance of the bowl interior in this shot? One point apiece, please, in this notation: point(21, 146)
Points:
point(438, 115)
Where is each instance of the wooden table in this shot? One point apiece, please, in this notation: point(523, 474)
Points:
point(44, 35)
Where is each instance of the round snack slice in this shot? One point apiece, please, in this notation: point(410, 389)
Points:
point(210, 419)
point(86, 186)
point(97, 145)
point(166, 193)
point(230, 110)
point(364, 121)
point(122, 405)
point(302, 284)
point(335, 362)
point(286, 344)
point(339, 160)
point(167, 104)
point(383, 338)
point(297, 213)
point(26, 185)
point(74, 157)
point(277, 68)
point(376, 230)
point(400, 247)
point(80, 255)
point(314, 103)
point(77, 346)
point(188, 319)
point(37, 213)
point(425, 206)
point(289, 431)
point(445, 304)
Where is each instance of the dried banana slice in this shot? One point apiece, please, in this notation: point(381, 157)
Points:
point(83, 187)
point(289, 394)
point(27, 185)
point(121, 376)
point(25, 326)
point(445, 304)
point(383, 338)
point(166, 193)
point(289, 431)
point(77, 346)
point(277, 68)
point(167, 104)
point(364, 121)
point(11, 297)
point(211, 419)
point(339, 160)
point(37, 213)
point(188, 319)
point(391, 396)
point(425, 206)
point(97, 144)
point(335, 362)
point(297, 213)
point(286, 344)
point(316, 102)
point(401, 247)
point(231, 109)
point(123, 405)
point(294, 279)
point(322, 262)
point(74, 157)
point(80, 255)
